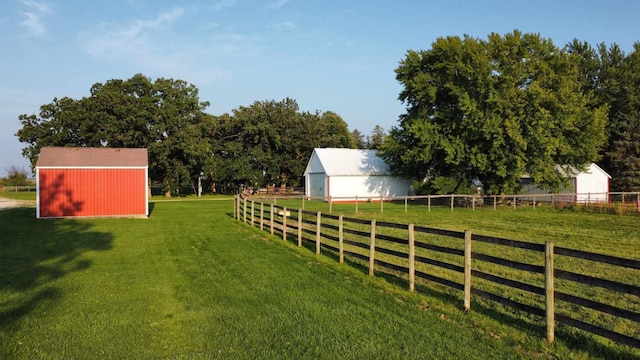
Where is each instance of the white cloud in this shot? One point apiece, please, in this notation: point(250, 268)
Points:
point(34, 15)
point(149, 46)
point(114, 40)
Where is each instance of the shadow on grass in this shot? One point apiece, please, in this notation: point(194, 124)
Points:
point(523, 322)
point(35, 253)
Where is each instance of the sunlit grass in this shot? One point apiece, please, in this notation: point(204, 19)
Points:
point(19, 195)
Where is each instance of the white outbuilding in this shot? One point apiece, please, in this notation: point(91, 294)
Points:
point(350, 174)
point(591, 185)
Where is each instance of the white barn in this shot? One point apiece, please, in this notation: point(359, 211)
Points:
point(591, 185)
point(344, 174)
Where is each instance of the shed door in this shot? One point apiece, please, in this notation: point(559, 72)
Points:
point(316, 184)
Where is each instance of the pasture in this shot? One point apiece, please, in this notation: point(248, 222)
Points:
point(590, 289)
point(190, 282)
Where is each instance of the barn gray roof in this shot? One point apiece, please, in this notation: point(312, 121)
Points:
point(92, 157)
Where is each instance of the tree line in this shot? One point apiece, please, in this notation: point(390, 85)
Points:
point(268, 142)
point(478, 111)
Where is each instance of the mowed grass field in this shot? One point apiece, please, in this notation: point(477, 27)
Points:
point(190, 282)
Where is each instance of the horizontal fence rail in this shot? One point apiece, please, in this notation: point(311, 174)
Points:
point(517, 274)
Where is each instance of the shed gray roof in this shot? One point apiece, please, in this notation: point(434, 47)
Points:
point(351, 162)
point(92, 157)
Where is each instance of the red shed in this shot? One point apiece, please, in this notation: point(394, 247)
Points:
point(92, 182)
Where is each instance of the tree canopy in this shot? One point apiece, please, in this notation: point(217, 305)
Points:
point(165, 116)
point(377, 138)
point(270, 142)
point(491, 111)
point(15, 177)
point(613, 78)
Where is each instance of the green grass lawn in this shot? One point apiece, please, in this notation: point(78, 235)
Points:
point(19, 195)
point(190, 282)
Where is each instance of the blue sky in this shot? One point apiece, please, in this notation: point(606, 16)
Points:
point(329, 55)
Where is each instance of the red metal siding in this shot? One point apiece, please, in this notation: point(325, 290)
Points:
point(92, 192)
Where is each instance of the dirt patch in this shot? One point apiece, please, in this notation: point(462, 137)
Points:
point(9, 203)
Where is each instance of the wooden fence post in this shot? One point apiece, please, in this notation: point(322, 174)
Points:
point(235, 206)
point(467, 270)
point(302, 202)
point(549, 291)
point(429, 203)
point(514, 202)
point(381, 205)
point(253, 211)
point(412, 259)
point(405, 203)
point(372, 247)
point(271, 219)
point(299, 227)
point(261, 216)
point(341, 237)
point(318, 231)
point(495, 202)
point(534, 201)
point(452, 202)
point(284, 223)
point(244, 210)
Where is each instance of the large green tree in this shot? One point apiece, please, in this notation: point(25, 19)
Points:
point(491, 111)
point(165, 116)
point(270, 142)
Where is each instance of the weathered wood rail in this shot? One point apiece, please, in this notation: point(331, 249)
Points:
point(446, 258)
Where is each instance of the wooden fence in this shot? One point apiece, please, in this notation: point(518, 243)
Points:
point(17, 188)
point(517, 274)
point(623, 202)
